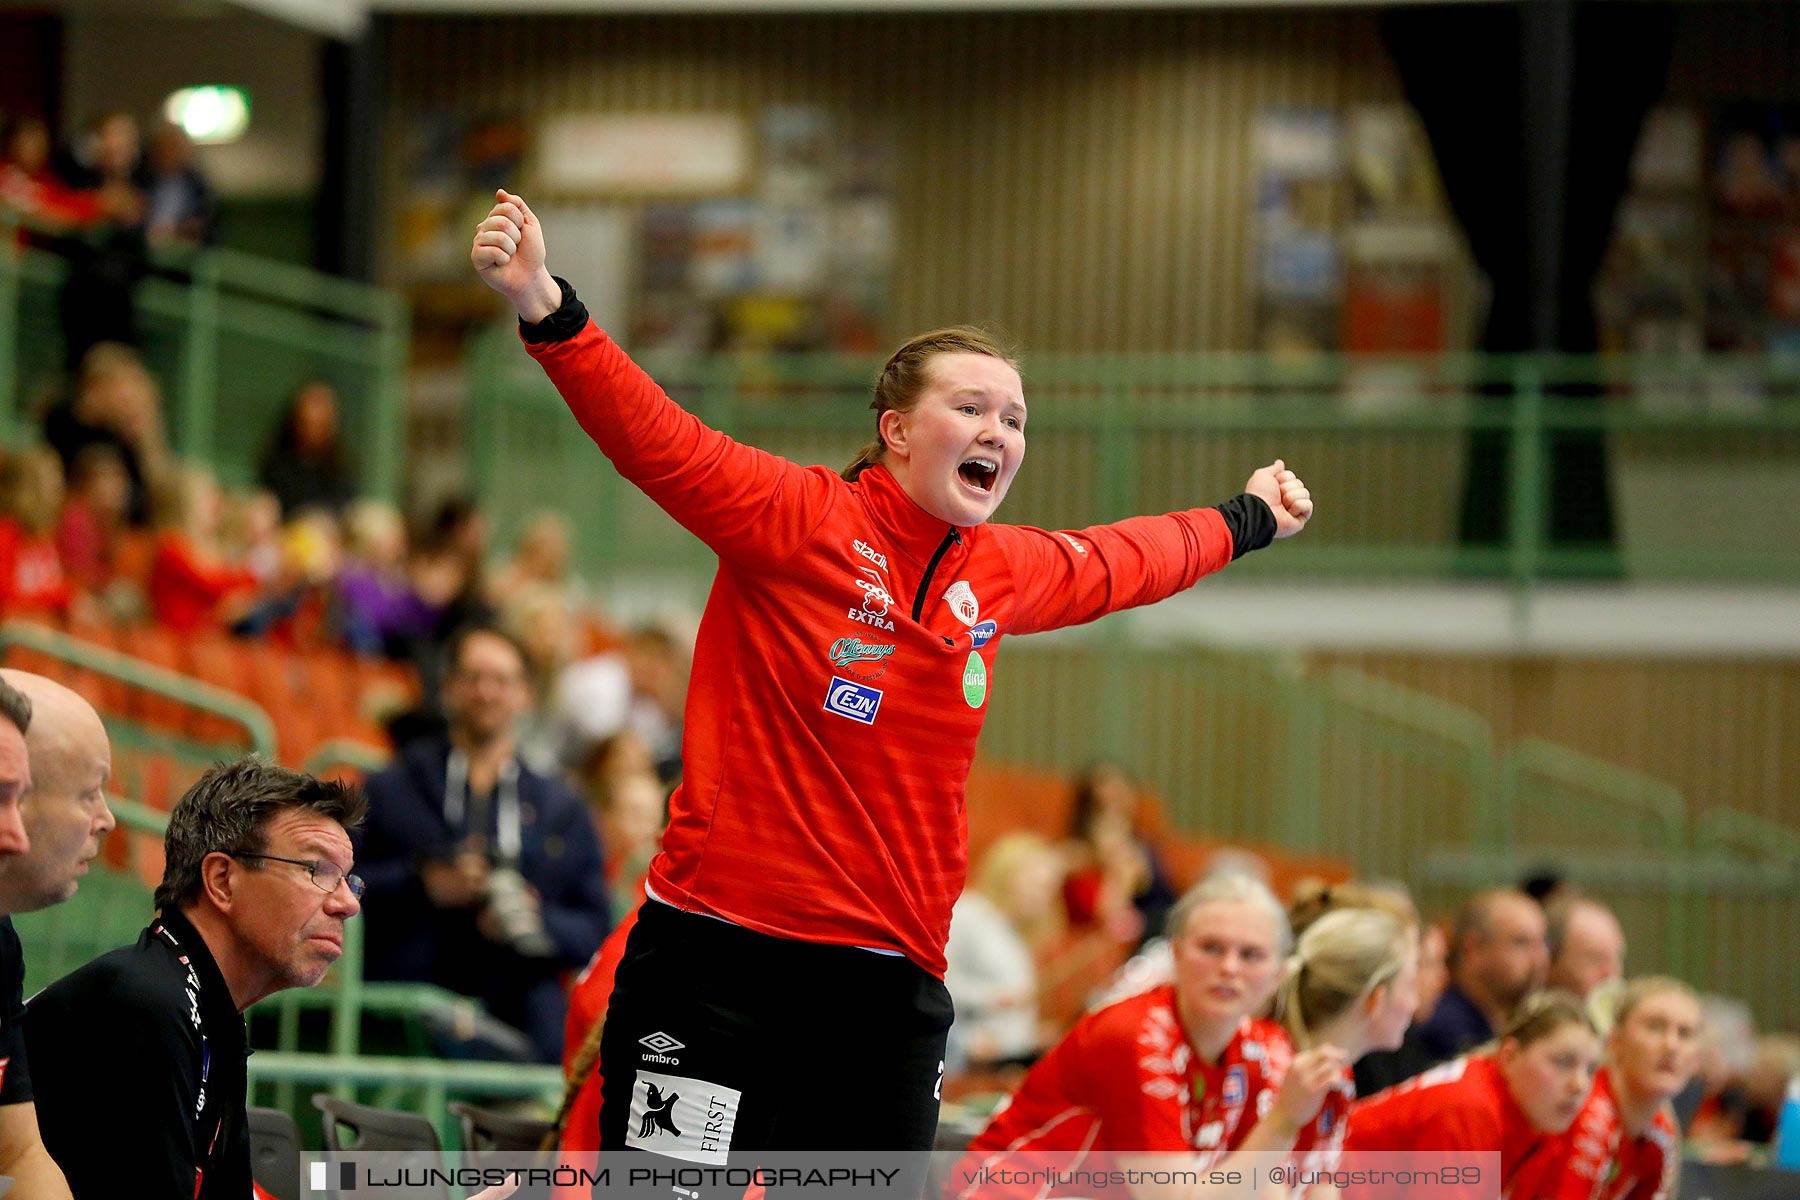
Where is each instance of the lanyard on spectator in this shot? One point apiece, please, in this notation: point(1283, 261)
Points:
point(507, 838)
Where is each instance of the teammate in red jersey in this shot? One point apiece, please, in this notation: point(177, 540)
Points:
point(1181, 1069)
point(1623, 1145)
point(1513, 1101)
point(802, 898)
point(1351, 984)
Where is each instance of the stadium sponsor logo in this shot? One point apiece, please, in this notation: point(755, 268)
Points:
point(853, 700)
point(980, 635)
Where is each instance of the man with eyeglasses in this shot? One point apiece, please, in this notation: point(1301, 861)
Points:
point(138, 1057)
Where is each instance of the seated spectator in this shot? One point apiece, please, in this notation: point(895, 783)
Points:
point(641, 687)
point(255, 893)
point(93, 518)
point(116, 404)
point(295, 608)
point(193, 587)
point(630, 812)
point(1715, 1115)
point(1775, 1064)
point(1181, 1069)
point(1116, 879)
point(306, 464)
point(998, 929)
point(1434, 968)
point(1498, 958)
point(179, 205)
point(378, 610)
point(1513, 1101)
point(32, 190)
point(1623, 1145)
point(536, 615)
point(488, 875)
point(251, 534)
point(541, 557)
point(1587, 945)
point(31, 572)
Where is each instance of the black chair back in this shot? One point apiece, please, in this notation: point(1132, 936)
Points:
point(275, 1152)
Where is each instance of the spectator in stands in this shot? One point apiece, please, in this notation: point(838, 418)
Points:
point(117, 404)
point(32, 580)
point(306, 464)
point(140, 1054)
point(378, 610)
point(537, 616)
point(1115, 879)
point(296, 607)
point(23, 1156)
point(1775, 1064)
point(251, 534)
point(447, 567)
point(1498, 957)
point(107, 261)
point(179, 205)
point(540, 557)
point(1715, 1116)
point(1181, 1069)
point(630, 814)
point(998, 929)
point(93, 517)
point(488, 875)
point(1587, 945)
point(1623, 1145)
point(193, 586)
point(32, 189)
point(1512, 1101)
point(1434, 968)
point(641, 687)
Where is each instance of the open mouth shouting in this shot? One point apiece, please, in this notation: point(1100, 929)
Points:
point(979, 473)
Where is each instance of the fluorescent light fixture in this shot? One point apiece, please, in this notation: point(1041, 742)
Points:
point(211, 115)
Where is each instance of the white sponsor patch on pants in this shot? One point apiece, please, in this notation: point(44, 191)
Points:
point(681, 1117)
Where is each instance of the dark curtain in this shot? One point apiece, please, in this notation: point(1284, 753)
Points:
point(1533, 111)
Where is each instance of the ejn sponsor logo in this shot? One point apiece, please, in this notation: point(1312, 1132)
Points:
point(853, 700)
point(320, 1174)
point(660, 1046)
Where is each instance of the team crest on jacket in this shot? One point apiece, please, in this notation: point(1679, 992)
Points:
point(961, 599)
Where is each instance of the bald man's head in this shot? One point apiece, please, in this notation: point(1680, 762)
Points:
point(65, 811)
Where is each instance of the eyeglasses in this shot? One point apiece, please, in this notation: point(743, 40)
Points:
point(325, 875)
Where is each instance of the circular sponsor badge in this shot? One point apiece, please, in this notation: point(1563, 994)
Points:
point(975, 681)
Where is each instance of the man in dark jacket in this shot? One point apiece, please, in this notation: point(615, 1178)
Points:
point(484, 877)
point(138, 1057)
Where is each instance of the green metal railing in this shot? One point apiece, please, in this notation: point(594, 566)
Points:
point(229, 335)
point(1384, 444)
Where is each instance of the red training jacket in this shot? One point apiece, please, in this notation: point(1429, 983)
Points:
point(1598, 1160)
point(1463, 1104)
point(844, 664)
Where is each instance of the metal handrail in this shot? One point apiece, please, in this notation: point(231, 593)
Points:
point(258, 728)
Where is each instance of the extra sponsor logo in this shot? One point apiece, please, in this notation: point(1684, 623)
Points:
point(961, 599)
point(858, 702)
point(847, 652)
point(684, 1118)
point(983, 633)
point(661, 1047)
point(875, 599)
point(975, 681)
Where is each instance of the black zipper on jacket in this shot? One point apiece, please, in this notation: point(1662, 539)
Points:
point(954, 536)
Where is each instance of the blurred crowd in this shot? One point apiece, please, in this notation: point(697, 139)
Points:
point(103, 199)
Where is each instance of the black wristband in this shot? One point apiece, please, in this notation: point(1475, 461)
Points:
point(1251, 521)
point(570, 318)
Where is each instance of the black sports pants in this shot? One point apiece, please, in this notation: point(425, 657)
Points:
point(721, 1042)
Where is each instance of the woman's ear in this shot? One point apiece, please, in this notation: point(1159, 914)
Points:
point(892, 428)
point(1371, 1003)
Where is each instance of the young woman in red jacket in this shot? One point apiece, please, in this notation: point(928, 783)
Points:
point(784, 985)
point(1515, 1100)
point(1623, 1145)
